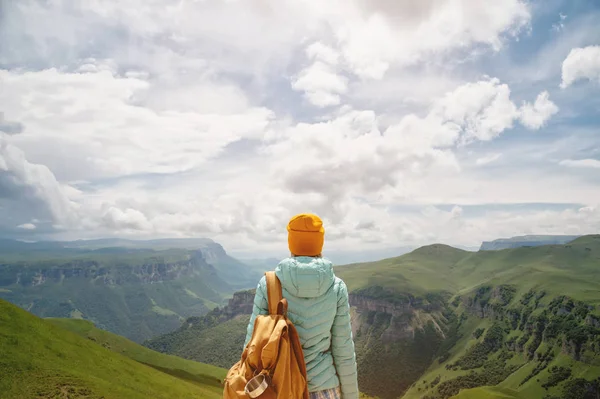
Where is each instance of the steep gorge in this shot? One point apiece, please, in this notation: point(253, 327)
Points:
point(402, 332)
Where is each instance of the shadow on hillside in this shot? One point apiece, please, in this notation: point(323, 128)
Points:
point(187, 376)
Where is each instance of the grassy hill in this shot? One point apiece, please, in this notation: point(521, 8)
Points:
point(571, 269)
point(41, 359)
point(182, 368)
point(542, 304)
point(488, 393)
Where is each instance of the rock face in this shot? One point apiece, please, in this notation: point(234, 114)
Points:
point(368, 304)
point(150, 271)
point(240, 304)
point(525, 241)
point(399, 319)
point(130, 292)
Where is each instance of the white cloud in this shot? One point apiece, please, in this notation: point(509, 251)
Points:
point(488, 159)
point(23, 180)
point(581, 163)
point(321, 52)
point(381, 34)
point(581, 63)
point(321, 84)
point(482, 110)
point(99, 121)
point(348, 155)
point(27, 226)
point(123, 220)
point(535, 116)
point(261, 36)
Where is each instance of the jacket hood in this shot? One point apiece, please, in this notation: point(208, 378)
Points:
point(306, 277)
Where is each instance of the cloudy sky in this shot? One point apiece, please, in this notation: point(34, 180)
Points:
point(399, 122)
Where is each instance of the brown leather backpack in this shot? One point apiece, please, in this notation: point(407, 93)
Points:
point(273, 358)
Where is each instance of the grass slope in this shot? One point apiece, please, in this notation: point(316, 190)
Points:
point(488, 393)
point(174, 365)
point(39, 359)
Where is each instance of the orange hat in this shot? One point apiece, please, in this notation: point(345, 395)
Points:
point(306, 235)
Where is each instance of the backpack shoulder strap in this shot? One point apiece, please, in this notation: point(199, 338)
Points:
point(274, 294)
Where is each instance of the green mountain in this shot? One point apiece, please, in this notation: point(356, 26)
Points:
point(440, 322)
point(449, 320)
point(130, 290)
point(46, 359)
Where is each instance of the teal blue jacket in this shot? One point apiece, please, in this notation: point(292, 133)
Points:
point(318, 307)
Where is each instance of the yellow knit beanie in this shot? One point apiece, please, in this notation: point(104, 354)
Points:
point(306, 235)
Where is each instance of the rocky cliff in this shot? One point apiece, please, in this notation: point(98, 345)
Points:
point(152, 270)
point(240, 304)
point(399, 319)
point(137, 293)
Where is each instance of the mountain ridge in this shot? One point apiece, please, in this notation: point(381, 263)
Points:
point(526, 241)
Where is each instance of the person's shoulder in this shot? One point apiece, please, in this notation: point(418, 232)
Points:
point(339, 286)
point(262, 283)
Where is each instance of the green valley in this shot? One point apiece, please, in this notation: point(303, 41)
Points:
point(57, 358)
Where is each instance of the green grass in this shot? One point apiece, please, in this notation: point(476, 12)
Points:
point(533, 389)
point(202, 372)
point(424, 270)
point(40, 359)
point(488, 393)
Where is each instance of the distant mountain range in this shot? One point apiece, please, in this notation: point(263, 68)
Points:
point(525, 241)
point(164, 243)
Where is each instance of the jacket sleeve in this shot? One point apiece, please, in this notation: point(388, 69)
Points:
point(260, 307)
point(342, 347)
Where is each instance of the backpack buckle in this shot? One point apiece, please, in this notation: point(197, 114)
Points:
point(256, 386)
